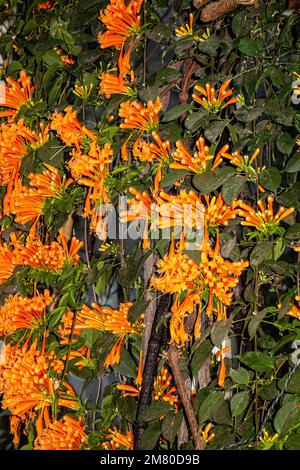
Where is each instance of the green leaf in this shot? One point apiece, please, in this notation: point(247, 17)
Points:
point(270, 179)
point(170, 426)
point(137, 309)
point(255, 322)
point(176, 112)
point(194, 121)
point(167, 75)
point(220, 331)
point(239, 403)
point(52, 58)
point(293, 442)
point(250, 47)
point(286, 417)
point(293, 164)
point(261, 253)
point(156, 410)
point(212, 180)
point(126, 366)
point(214, 130)
point(209, 406)
point(51, 152)
point(240, 376)
point(240, 24)
point(285, 143)
point(258, 361)
point(127, 408)
point(232, 188)
point(150, 436)
point(59, 30)
point(293, 232)
point(201, 354)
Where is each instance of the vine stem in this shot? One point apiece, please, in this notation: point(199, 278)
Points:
point(173, 358)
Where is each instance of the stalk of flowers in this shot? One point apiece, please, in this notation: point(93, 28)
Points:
point(103, 319)
point(139, 117)
point(163, 390)
point(187, 30)
point(7, 263)
point(139, 209)
point(69, 129)
point(90, 170)
point(119, 441)
point(184, 210)
point(47, 258)
point(23, 312)
point(65, 434)
point(112, 84)
point(15, 94)
point(214, 101)
point(198, 162)
point(217, 212)
point(27, 204)
point(16, 140)
point(122, 21)
point(27, 388)
point(264, 220)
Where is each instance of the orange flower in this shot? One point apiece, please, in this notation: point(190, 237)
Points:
point(197, 163)
point(211, 101)
point(264, 220)
point(114, 321)
point(184, 210)
point(206, 434)
point(14, 424)
point(69, 129)
point(23, 312)
point(118, 84)
point(148, 151)
point(121, 22)
point(15, 95)
point(217, 212)
point(138, 116)
point(295, 310)
point(52, 257)
point(7, 263)
point(91, 170)
point(66, 434)
point(66, 60)
point(45, 5)
point(222, 370)
point(139, 209)
point(118, 440)
point(27, 387)
point(27, 204)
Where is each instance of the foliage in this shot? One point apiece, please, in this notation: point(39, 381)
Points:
point(172, 115)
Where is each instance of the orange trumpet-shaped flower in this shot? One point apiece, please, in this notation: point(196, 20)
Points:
point(222, 371)
point(7, 263)
point(139, 209)
point(52, 257)
point(148, 151)
point(217, 212)
point(295, 310)
point(184, 210)
point(212, 101)
point(138, 116)
point(107, 319)
point(66, 434)
point(112, 84)
point(196, 163)
point(45, 5)
point(121, 21)
point(27, 204)
point(206, 433)
point(264, 220)
point(26, 385)
point(163, 390)
point(119, 441)
point(15, 95)
point(69, 129)
point(23, 312)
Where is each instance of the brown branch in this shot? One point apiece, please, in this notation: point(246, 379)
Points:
point(173, 358)
point(294, 5)
point(221, 7)
point(200, 3)
point(154, 345)
point(149, 313)
point(189, 68)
